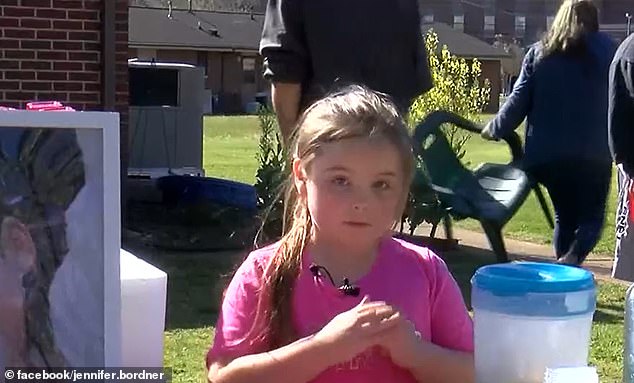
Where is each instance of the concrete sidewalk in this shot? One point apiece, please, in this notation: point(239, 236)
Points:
point(601, 266)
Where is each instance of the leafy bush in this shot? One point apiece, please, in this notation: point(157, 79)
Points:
point(271, 175)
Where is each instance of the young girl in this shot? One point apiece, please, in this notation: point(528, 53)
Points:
point(398, 316)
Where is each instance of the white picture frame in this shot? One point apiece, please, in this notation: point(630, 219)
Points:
point(98, 137)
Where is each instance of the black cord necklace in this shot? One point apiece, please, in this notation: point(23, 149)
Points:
point(346, 288)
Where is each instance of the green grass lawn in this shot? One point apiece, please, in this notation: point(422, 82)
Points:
point(230, 147)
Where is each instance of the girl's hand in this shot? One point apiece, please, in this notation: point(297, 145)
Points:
point(403, 343)
point(352, 332)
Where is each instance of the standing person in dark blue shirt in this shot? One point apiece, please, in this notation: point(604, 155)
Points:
point(621, 136)
point(621, 109)
point(312, 46)
point(562, 90)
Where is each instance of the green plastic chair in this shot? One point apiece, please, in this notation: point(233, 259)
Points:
point(490, 193)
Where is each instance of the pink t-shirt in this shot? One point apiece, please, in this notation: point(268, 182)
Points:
point(407, 276)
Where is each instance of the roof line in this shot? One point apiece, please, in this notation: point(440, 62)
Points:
point(199, 10)
point(133, 44)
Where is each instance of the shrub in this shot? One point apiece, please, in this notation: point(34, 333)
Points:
point(271, 175)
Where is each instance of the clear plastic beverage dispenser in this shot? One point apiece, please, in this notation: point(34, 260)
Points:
point(529, 317)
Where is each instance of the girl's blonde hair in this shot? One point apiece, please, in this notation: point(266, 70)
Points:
point(574, 20)
point(354, 112)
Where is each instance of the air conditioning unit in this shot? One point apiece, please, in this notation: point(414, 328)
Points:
point(166, 118)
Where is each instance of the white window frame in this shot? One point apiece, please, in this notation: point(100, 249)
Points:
point(520, 25)
point(458, 22)
point(489, 23)
point(248, 65)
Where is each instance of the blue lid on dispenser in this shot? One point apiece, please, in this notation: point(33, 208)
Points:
point(532, 277)
point(531, 288)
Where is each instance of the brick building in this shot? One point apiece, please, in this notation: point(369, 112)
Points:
point(525, 20)
point(73, 51)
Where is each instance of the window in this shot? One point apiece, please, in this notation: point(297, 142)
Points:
point(428, 18)
point(458, 22)
point(520, 25)
point(201, 60)
point(248, 69)
point(489, 25)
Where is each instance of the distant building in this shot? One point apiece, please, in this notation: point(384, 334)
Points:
point(225, 44)
point(525, 20)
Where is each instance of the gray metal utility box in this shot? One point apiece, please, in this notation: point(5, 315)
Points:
point(166, 118)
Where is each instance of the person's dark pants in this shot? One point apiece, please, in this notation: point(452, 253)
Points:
point(578, 190)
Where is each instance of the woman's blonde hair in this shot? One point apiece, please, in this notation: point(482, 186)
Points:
point(574, 20)
point(354, 112)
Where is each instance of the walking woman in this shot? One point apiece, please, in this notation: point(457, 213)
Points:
point(562, 91)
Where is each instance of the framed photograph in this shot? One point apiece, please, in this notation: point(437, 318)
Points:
point(59, 239)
